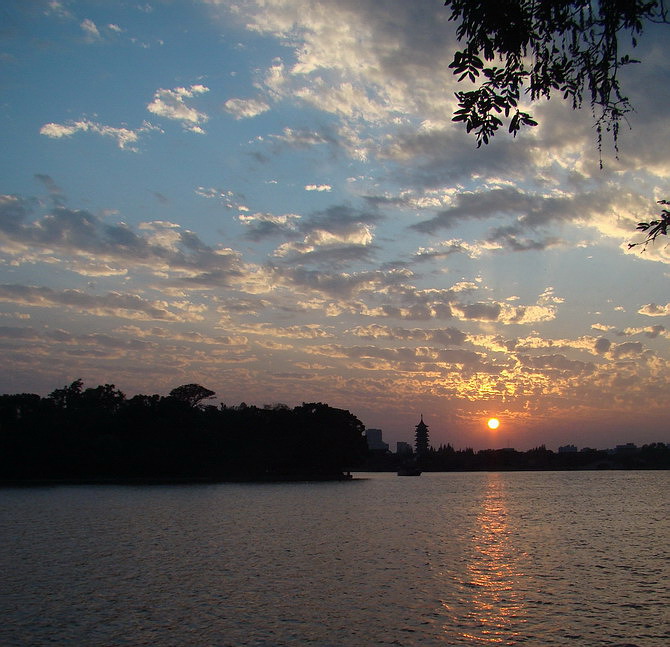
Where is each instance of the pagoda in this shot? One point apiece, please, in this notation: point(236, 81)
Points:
point(421, 438)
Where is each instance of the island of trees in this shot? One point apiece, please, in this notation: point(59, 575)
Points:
point(78, 434)
point(97, 434)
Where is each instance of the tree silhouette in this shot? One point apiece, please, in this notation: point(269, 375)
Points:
point(654, 228)
point(68, 396)
point(105, 398)
point(192, 394)
point(545, 47)
point(548, 46)
point(96, 433)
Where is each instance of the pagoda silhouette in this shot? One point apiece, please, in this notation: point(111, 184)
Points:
point(421, 439)
point(412, 467)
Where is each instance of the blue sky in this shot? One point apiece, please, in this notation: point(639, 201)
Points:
point(269, 198)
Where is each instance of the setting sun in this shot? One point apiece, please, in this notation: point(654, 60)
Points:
point(493, 423)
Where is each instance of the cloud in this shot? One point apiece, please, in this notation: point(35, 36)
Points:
point(259, 226)
point(113, 304)
point(503, 313)
point(55, 192)
point(386, 294)
point(342, 285)
point(602, 345)
point(602, 327)
point(550, 364)
point(64, 337)
point(413, 360)
point(355, 234)
point(170, 104)
point(443, 336)
point(426, 158)
point(333, 255)
point(529, 210)
point(318, 187)
point(303, 331)
point(165, 334)
point(245, 108)
point(376, 73)
point(336, 236)
point(653, 310)
point(160, 197)
point(445, 249)
point(627, 349)
point(230, 199)
point(373, 67)
point(651, 332)
point(478, 311)
point(347, 57)
point(125, 137)
point(507, 237)
point(303, 138)
point(408, 302)
point(163, 248)
point(57, 8)
point(90, 30)
point(15, 332)
point(339, 219)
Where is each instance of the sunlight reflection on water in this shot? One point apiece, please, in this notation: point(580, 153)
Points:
point(451, 559)
point(494, 605)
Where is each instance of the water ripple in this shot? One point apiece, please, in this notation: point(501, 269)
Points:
point(539, 559)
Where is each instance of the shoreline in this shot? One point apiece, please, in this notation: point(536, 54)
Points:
point(351, 476)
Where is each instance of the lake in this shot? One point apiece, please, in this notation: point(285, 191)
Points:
point(517, 558)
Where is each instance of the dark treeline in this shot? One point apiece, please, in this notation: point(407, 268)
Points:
point(446, 458)
point(96, 434)
point(89, 434)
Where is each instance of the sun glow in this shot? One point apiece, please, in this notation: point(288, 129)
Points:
point(493, 423)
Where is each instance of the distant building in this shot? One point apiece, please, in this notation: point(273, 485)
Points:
point(628, 448)
point(403, 448)
point(421, 438)
point(567, 449)
point(375, 442)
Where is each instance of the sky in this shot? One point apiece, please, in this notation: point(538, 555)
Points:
point(270, 198)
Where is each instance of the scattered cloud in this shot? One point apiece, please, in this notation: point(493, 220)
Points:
point(245, 108)
point(529, 211)
point(125, 137)
point(125, 306)
point(651, 332)
point(165, 249)
point(264, 225)
point(303, 138)
point(90, 30)
point(58, 9)
point(171, 104)
point(653, 310)
point(602, 345)
point(445, 249)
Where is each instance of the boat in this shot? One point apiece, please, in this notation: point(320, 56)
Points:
point(409, 471)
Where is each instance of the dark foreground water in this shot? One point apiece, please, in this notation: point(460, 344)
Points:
point(533, 559)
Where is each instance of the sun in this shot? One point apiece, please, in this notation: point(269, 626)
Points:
point(493, 423)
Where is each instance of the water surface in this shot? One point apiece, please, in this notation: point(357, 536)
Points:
point(536, 558)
